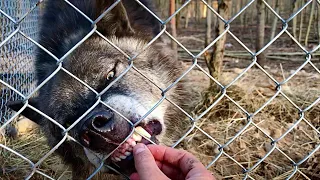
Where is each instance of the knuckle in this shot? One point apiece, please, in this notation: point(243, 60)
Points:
point(190, 163)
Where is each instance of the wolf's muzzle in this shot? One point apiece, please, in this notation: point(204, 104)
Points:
point(101, 130)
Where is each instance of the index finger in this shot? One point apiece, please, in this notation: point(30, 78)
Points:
point(178, 158)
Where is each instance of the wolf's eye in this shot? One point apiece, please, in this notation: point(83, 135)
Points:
point(110, 75)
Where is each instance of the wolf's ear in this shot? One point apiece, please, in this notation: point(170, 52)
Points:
point(28, 113)
point(116, 21)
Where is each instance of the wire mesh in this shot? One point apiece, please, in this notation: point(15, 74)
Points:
point(19, 27)
point(17, 54)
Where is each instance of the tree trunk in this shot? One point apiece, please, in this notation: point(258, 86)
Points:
point(275, 20)
point(260, 31)
point(238, 6)
point(204, 10)
point(178, 16)
point(173, 25)
point(243, 15)
point(294, 20)
point(197, 10)
point(301, 22)
point(208, 25)
point(310, 23)
point(214, 63)
point(318, 23)
point(214, 18)
point(188, 15)
point(252, 17)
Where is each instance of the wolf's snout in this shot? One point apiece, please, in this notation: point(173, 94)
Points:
point(103, 122)
point(102, 130)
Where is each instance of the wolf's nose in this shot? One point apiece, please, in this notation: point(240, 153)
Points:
point(103, 122)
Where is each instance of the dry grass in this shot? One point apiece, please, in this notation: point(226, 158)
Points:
point(32, 146)
point(226, 119)
point(222, 123)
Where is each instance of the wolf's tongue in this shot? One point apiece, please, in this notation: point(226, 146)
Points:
point(153, 127)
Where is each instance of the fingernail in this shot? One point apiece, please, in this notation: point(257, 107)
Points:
point(139, 148)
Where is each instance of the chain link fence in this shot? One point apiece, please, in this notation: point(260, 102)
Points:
point(17, 53)
point(18, 40)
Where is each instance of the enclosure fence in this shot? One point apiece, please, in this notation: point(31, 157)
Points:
point(16, 72)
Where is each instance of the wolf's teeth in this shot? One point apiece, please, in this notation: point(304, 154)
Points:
point(117, 159)
point(142, 131)
point(133, 143)
point(127, 153)
point(123, 157)
point(136, 137)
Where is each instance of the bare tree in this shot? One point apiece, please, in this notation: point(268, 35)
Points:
point(197, 11)
point(214, 61)
point(238, 6)
point(178, 16)
point(173, 24)
point(208, 24)
point(243, 15)
point(318, 22)
point(188, 14)
point(260, 31)
point(294, 20)
point(310, 23)
point(301, 22)
point(275, 20)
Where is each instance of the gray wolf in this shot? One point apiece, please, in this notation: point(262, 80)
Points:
point(97, 63)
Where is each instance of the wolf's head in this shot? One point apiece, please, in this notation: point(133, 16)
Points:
point(120, 92)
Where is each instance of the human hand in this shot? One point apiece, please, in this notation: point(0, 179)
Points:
point(163, 163)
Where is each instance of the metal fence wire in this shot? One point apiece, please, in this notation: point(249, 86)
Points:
point(17, 53)
point(18, 40)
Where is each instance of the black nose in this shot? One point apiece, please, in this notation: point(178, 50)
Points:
point(103, 122)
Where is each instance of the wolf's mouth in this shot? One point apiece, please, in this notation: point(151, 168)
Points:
point(125, 150)
point(122, 158)
point(104, 142)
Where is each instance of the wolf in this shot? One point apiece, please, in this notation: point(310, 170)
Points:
point(97, 63)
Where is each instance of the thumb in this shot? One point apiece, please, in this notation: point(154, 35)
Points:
point(145, 164)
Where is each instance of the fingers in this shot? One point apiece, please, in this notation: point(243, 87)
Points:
point(171, 171)
point(177, 158)
point(145, 164)
point(160, 162)
point(134, 176)
point(189, 165)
